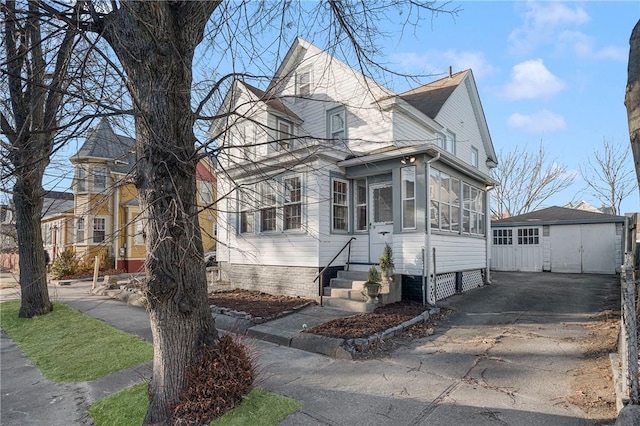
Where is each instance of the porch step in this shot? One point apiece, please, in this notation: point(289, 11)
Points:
point(348, 305)
point(353, 275)
point(346, 293)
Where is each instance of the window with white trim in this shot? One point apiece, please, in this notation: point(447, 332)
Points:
point(80, 230)
point(408, 177)
point(528, 236)
point(81, 178)
point(361, 205)
point(337, 124)
point(99, 178)
point(247, 208)
point(474, 157)
point(303, 82)
point(450, 142)
point(284, 134)
point(249, 142)
point(99, 229)
point(292, 203)
point(206, 191)
point(473, 217)
point(268, 208)
point(340, 205)
point(502, 237)
point(139, 235)
point(446, 204)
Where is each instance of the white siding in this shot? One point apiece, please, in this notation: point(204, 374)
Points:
point(407, 253)
point(457, 115)
point(407, 131)
point(335, 84)
point(458, 253)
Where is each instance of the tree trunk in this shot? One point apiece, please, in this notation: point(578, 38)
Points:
point(33, 276)
point(632, 96)
point(155, 42)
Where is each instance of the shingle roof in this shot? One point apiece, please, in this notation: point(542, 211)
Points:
point(556, 214)
point(430, 97)
point(103, 143)
point(271, 101)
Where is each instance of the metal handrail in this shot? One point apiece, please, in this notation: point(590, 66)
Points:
point(320, 289)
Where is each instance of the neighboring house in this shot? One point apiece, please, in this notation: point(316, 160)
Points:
point(559, 239)
point(104, 216)
point(56, 222)
point(325, 156)
point(583, 205)
point(8, 235)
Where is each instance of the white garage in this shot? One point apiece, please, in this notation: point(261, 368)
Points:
point(558, 239)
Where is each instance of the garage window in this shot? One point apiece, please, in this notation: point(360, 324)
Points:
point(528, 236)
point(503, 237)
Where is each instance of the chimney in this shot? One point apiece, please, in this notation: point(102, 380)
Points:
point(450, 71)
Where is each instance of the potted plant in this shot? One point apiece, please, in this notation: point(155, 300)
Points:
point(372, 285)
point(386, 262)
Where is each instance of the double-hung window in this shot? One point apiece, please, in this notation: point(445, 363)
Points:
point(361, 205)
point(247, 208)
point(80, 230)
point(268, 209)
point(303, 83)
point(292, 203)
point(284, 134)
point(99, 229)
point(474, 157)
point(447, 141)
point(139, 235)
point(81, 179)
point(337, 125)
point(99, 178)
point(408, 175)
point(206, 192)
point(249, 142)
point(473, 216)
point(340, 205)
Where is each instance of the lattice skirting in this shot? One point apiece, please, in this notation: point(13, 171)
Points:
point(472, 279)
point(445, 285)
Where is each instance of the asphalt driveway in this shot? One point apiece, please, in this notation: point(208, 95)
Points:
point(504, 357)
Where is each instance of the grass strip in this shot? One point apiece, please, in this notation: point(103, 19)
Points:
point(69, 346)
point(128, 407)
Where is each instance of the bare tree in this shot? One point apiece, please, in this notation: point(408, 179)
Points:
point(155, 43)
point(608, 177)
point(632, 96)
point(526, 180)
point(36, 79)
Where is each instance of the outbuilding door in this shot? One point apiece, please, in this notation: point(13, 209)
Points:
point(588, 248)
point(380, 219)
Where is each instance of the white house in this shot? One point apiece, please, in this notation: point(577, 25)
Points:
point(559, 239)
point(326, 162)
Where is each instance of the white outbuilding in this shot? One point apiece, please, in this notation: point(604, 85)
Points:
point(558, 239)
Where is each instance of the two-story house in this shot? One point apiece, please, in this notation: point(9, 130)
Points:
point(105, 214)
point(326, 162)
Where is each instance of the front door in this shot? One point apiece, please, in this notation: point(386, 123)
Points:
point(380, 219)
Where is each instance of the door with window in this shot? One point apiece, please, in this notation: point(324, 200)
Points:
point(380, 219)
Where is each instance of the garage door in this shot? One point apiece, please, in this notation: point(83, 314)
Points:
point(583, 248)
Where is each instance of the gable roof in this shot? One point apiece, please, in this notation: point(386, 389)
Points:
point(429, 98)
point(271, 101)
point(557, 215)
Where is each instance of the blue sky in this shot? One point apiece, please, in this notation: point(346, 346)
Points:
point(550, 72)
point(554, 72)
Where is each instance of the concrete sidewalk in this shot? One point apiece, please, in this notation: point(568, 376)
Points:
point(506, 356)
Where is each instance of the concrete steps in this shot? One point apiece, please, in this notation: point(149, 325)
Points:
point(345, 292)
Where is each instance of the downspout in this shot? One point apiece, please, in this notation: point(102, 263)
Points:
point(427, 287)
point(487, 227)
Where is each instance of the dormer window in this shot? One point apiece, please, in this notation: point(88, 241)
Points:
point(283, 134)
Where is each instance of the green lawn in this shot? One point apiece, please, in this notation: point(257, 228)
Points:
point(127, 407)
point(68, 346)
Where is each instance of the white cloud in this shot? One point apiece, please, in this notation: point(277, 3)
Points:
point(542, 22)
point(539, 122)
point(532, 80)
point(583, 46)
point(438, 62)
